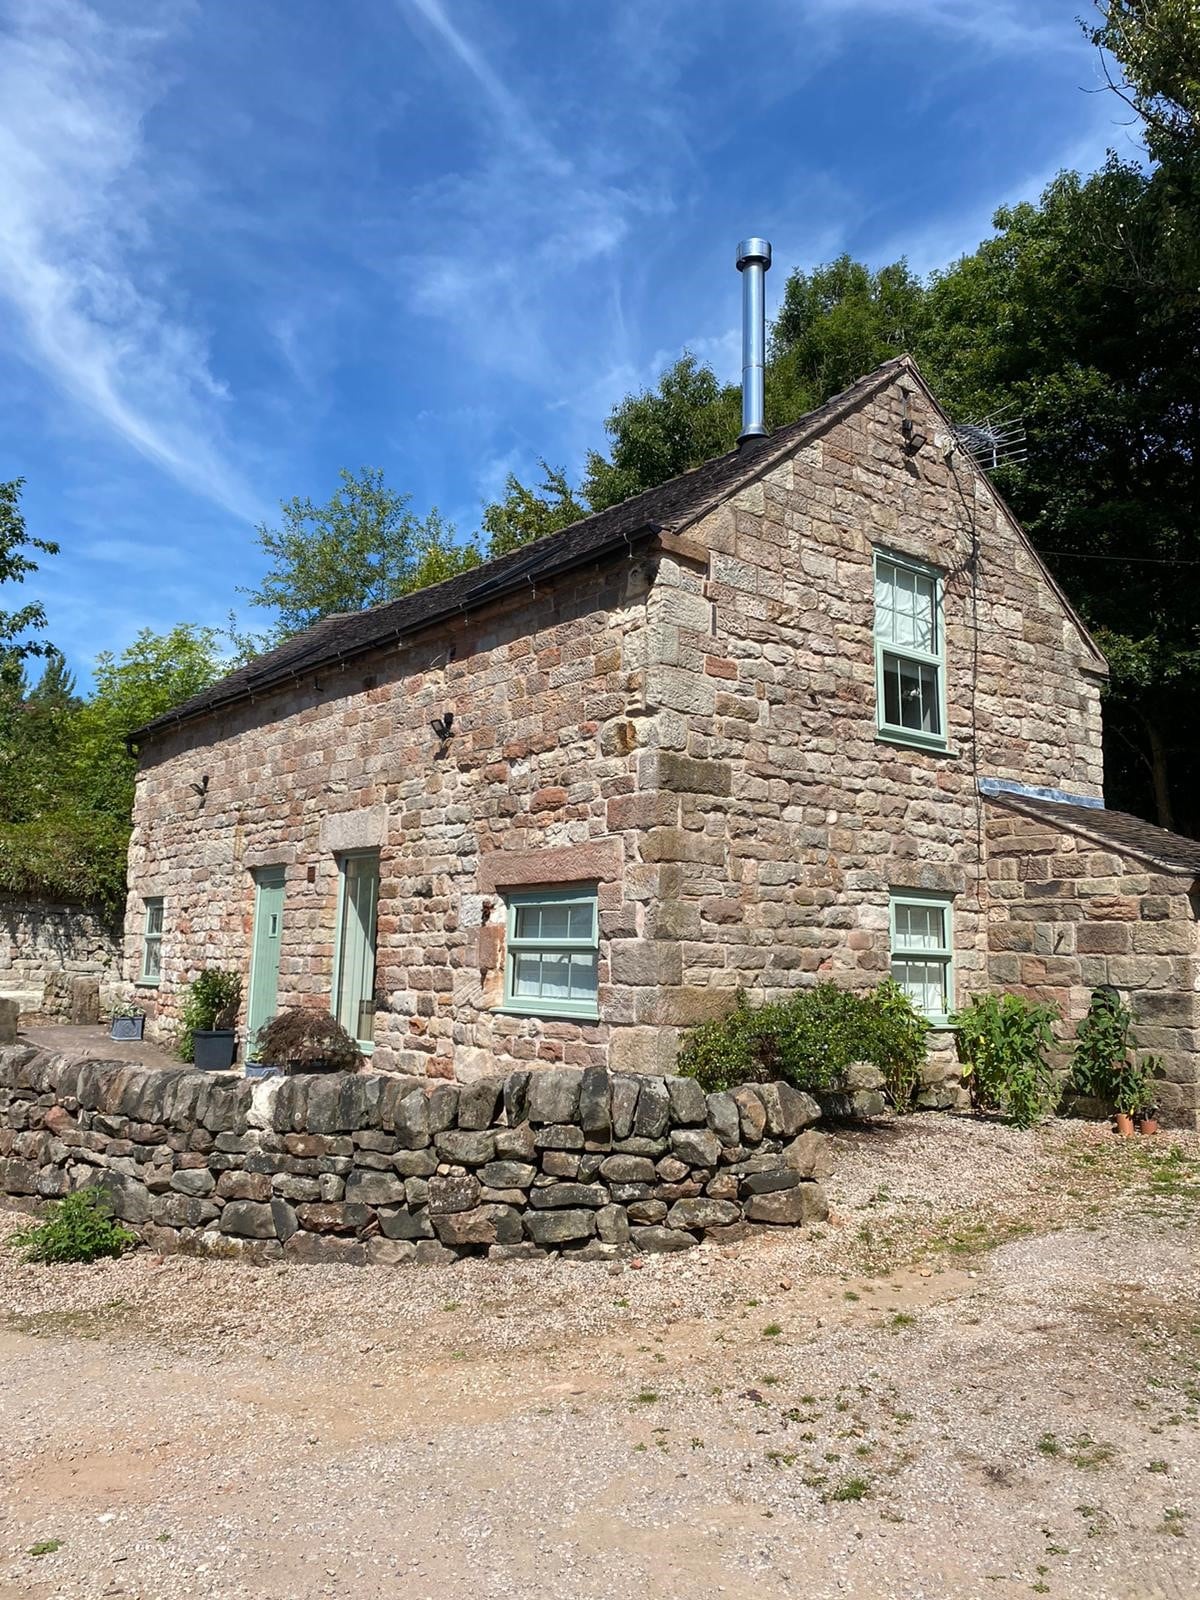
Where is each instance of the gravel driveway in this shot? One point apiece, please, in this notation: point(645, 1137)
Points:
point(981, 1378)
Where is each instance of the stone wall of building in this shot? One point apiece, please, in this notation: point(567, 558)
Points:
point(44, 946)
point(1069, 914)
point(383, 1168)
point(777, 820)
point(692, 728)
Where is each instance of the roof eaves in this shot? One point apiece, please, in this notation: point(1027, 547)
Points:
point(247, 690)
point(1030, 807)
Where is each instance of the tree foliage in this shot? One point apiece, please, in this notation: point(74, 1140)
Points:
point(527, 514)
point(1156, 44)
point(66, 775)
point(19, 628)
point(362, 547)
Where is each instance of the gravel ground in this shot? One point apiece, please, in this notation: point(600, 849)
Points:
point(982, 1377)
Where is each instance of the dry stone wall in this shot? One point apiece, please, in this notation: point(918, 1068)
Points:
point(365, 1168)
point(45, 946)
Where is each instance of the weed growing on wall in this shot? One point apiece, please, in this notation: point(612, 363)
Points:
point(79, 1227)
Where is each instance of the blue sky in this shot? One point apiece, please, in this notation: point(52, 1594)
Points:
point(244, 245)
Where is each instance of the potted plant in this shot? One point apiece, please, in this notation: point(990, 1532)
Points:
point(1130, 1093)
point(207, 1036)
point(301, 1039)
point(1147, 1112)
point(126, 1021)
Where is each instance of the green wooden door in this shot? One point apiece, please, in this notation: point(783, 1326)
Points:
point(354, 988)
point(268, 937)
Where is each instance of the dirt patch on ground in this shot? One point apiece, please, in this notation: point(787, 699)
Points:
point(983, 1377)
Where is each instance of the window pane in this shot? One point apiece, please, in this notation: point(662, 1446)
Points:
point(581, 922)
point(920, 927)
point(556, 921)
point(910, 695)
point(556, 977)
point(154, 916)
point(583, 977)
point(905, 607)
point(152, 959)
point(527, 975)
point(924, 982)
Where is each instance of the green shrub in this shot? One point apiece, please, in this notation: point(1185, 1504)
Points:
point(1003, 1044)
point(810, 1040)
point(1102, 1065)
point(212, 1002)
point(77, 1228)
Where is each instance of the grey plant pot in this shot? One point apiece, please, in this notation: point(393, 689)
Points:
point(213, 1049)
point(127, 1027)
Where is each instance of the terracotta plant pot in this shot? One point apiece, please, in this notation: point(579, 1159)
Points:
point(1124, 1125)
point(1147, 1124)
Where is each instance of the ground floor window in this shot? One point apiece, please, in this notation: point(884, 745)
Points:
point(553, 948)
point(354, 965)
point(922, 952)
point(152, 933)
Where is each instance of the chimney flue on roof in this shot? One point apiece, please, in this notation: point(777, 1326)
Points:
point(753, 259)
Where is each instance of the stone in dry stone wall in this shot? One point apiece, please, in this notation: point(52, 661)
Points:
point(371, 1168)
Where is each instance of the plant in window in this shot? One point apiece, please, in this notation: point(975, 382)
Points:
point(211, 1007)
point(1004, 1045)
point(302, 1040)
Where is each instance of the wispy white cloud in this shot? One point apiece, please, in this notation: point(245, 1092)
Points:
point(77, 247)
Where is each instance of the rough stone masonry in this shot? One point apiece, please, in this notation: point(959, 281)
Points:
point(374, 1168)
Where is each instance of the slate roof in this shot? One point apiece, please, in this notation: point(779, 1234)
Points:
point(1172, 851)
point(670, 507)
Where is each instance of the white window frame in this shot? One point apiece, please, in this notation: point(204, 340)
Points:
point(893, 732)
point(152, 939)
point(942, 955)
point(542, 1006)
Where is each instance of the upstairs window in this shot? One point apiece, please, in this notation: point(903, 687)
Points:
point(923, 954)
point(152, 933)
point(910, 667)
point(553, 948)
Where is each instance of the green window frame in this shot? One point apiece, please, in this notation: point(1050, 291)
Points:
point(910, 652)
point(551, 961)
point(152, 936)
point(922, 943)
point(355, 946)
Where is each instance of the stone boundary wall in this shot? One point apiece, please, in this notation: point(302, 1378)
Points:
point(375, 1168)
point(45, 945)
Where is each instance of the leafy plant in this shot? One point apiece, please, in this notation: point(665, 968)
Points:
point(811, 1039)
point(1004, 1043)
point(78, 1227)
point(212, 1002)
point(124, 1009)
point(303, 1040)
point(1103, 1066)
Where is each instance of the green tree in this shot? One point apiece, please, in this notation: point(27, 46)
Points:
point(18, 627)
point(66, 775)
point(527, 514)
point(663, 431)
point(1157, 46)
point(836, 323)
point(364, 546)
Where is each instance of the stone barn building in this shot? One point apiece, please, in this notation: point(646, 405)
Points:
point(813, 710)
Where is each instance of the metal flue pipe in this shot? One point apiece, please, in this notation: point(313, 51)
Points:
point(753, 260)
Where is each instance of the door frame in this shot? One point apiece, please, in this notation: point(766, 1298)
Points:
point(264, 878)
point(367, 1046)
